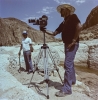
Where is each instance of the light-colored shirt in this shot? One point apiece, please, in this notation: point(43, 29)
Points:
point(26, 43)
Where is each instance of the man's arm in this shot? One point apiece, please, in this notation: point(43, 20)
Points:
point(52, 33)
point(78, 29)
point(31, 48)
point(57, 31)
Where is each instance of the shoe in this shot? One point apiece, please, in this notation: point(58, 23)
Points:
point(73, 83)
point(26, 71)
point(30, 72)
point(61, 94)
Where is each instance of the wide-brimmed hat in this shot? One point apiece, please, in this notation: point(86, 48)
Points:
point(71, 8)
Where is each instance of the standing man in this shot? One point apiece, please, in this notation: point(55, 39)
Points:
point(26, 45)
point(70, 29)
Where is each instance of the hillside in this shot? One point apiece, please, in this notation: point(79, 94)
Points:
point(90, 27)
point(89, 33)
point(11, 32)
point(92, 18)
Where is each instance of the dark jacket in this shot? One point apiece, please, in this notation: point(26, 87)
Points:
point(68, 28)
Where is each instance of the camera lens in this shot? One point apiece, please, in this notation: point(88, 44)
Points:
point(31, 20)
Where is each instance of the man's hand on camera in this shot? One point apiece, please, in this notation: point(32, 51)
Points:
point(51, 33)
point(55, 33)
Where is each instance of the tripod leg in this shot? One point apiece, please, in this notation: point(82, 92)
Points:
point(53, 61)
point(47, 81)
point(59, 74)
point(46, 71)
point(45, 65)
point(38, 58)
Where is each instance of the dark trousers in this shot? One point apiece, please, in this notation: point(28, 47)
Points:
point(69, 75)
point(28, 60)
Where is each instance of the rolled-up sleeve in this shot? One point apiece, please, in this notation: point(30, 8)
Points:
point(30, 41)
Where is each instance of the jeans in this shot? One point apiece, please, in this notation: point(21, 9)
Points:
point(28, 60)
point(69, 75)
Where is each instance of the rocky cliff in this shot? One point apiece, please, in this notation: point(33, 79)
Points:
point(92, 18)
point(90, 27)
point(11, 32)
point(89, 33)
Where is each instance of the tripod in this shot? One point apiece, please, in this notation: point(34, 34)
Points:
point(45, 51)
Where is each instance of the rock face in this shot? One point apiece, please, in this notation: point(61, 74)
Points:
point(12, 89)
point(89, 33)
point(92, 18)
point(87, 54)
point(92, 53)
point(11, 29)
point(93, 57)
point(90, 27)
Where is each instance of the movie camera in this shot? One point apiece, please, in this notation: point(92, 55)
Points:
point(42, 22)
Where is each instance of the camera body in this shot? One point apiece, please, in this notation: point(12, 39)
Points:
point(41, 21)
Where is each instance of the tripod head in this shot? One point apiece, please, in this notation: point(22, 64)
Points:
point(43, 29)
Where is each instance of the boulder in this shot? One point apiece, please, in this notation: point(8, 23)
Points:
point(92, 53)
